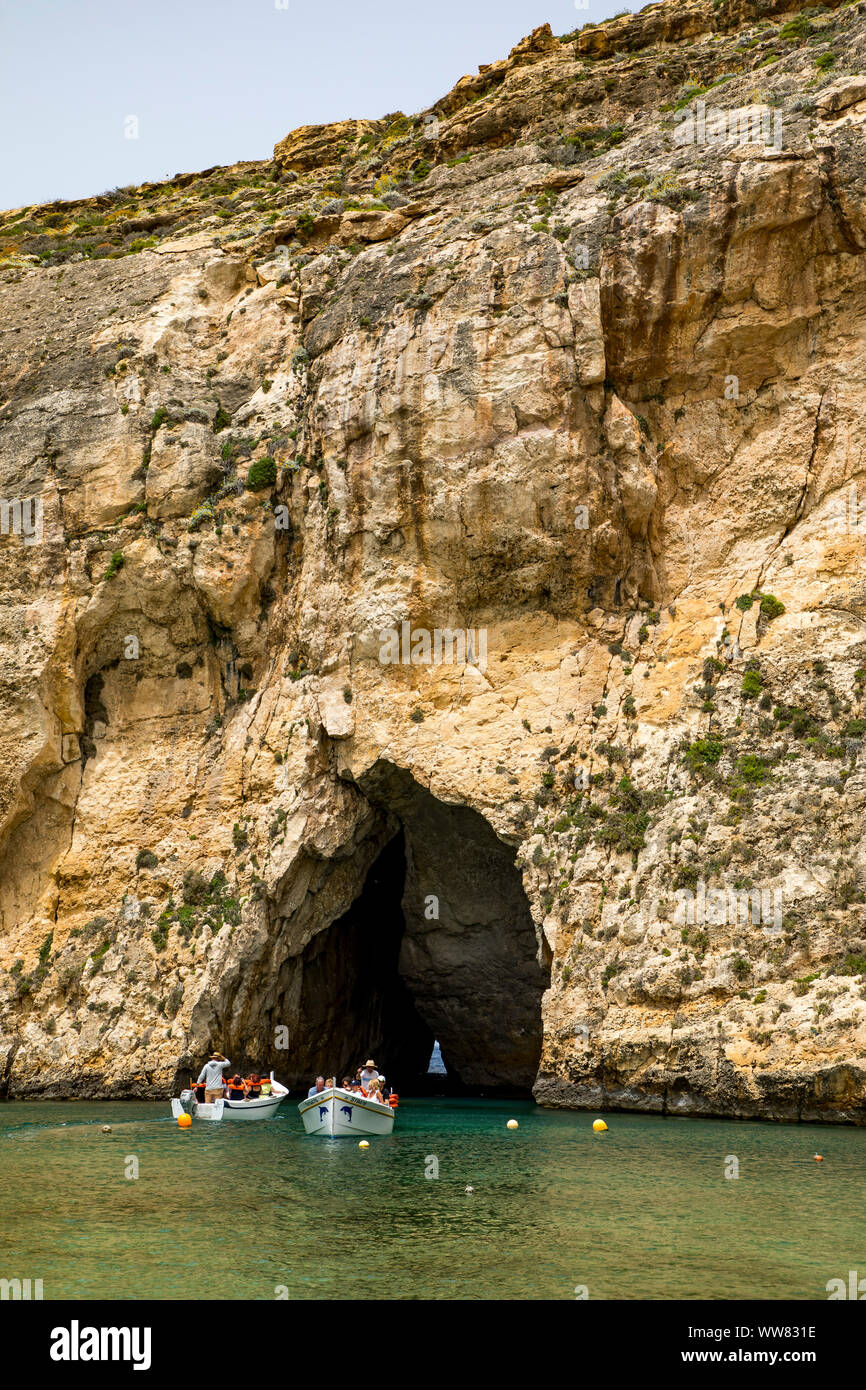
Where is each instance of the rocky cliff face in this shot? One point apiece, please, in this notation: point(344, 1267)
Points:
point(569, 364)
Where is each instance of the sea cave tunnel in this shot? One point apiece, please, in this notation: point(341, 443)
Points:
point(438, 944)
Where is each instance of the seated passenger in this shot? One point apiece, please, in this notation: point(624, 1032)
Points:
point(373, 1093)
point(236, 1088)
point(198, 1092)
point(254, 1086)
point(266, 1086)
point(347, 1083)
point(330, 1083)
point(319, 1086)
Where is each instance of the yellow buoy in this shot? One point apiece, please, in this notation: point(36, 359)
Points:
point(512, 1124)
point(184, 1121)
point(364, 1144)
point(599, 1126)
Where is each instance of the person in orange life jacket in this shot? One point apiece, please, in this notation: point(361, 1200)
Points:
point(199, 1092)
point(236, 1088)
point(254, 1086)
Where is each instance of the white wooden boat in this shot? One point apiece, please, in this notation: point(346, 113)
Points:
point(262, 1109)
point(335, 1112)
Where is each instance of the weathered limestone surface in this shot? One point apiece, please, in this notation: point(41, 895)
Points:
point(522, 364)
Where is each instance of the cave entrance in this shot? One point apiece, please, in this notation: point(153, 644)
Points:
point(438, 946)
point(353, 1001)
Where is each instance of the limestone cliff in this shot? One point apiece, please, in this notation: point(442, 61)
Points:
point(573, 361)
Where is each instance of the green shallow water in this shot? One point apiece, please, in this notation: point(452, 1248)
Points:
point(233, 1211)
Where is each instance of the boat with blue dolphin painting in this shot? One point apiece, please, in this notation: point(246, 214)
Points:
point(335, 1113)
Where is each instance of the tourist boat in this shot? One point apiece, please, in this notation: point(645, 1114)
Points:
point(336, 1112)
point(262, 1109)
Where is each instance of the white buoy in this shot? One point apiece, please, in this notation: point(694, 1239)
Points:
point(512, 1124)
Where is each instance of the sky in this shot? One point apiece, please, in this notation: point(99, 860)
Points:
point(95, 94)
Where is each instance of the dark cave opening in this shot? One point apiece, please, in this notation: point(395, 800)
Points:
point(94, 712)
point(438, 944)
point(353, 1002)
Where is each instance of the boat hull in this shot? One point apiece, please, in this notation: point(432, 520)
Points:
point(265, 1108)
point(339, 1114)
point(262, 1109)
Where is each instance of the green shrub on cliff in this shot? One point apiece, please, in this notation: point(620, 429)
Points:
point(702, 756)
point(626, 825)
point(98, 954)
point(771, 607)
point(753, 770)
point(262, 474)
point(752, 682)
point(796, 29)
point(159, 935)
point(613, 968)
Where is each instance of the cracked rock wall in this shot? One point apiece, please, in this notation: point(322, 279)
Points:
point(522, 364)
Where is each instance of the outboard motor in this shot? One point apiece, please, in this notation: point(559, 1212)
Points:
point(188, 1101)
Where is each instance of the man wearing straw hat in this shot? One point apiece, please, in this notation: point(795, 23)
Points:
point(212, 1076)
point(369, 1072)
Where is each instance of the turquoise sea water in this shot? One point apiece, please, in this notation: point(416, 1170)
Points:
point(237, 1210)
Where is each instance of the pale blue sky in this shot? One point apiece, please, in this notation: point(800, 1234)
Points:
point(214, 81)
